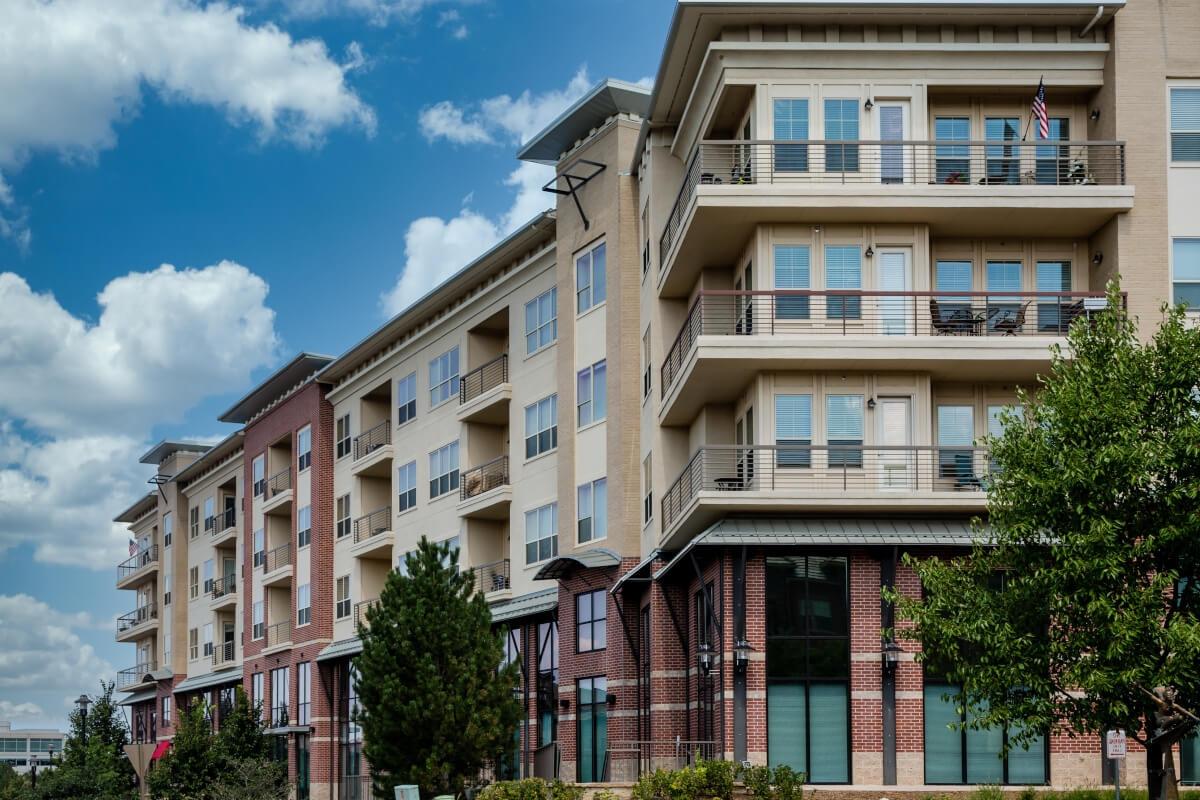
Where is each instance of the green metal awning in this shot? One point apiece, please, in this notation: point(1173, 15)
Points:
point(210, 680)
point(138, 697)
point(592, 558)
point(642, 573)
point(341, 649)
point(526, 605)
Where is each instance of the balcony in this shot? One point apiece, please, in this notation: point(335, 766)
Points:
point(279, 636)
point(278, 496)
point(224, 593)
point(729, 336)
point(962, 188)
point(373, 537)
point(138, 567)
point(224, 655)
point(224, 528)
point(493, 580)
point(725, 479)
point(373, 451)
point(277, 566)
point(137, 622)
point(136, 675)
point(484, 393)
point(360, 612)
point(484, 492)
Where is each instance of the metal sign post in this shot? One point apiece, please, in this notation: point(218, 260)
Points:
point(1114, 749)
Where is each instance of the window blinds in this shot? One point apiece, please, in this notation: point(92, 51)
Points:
point(1185, 124)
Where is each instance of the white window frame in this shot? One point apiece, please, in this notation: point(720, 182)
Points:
point(168, 526)
point(342, 438)
point(342, 604)
point(260, 546)
point(440, 468)
point(545, 515)
point(1176, 240)
point(303, 448)
point(258, 472)
point(304, 526)
point(406, 487)
point(586, 406)
point(258, 629)
point(406, 398)
point(585, 511)
point(303, 604)
point(540, 325)
point(545, 421)
point(208, 640)
point(586, 296)
point(343, 524)
point(1172, 130)
point(443, 382)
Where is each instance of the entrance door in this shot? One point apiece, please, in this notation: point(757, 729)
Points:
point(896, 461)
point(895, 164)
point(895, 275)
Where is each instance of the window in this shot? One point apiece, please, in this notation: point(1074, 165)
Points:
point(258, 629)
point(1185, 124)
point(260, 547)
point(258, 469)
point(208, 640)
point(341, 436)
point(193, 644)
point(303, 604)
point(208, 576)
point(443, 470)
point(1003, 276)
point(1052, 164)
point(843, 270)
point(844, 429)
point(1053, 276)
point(593, 728)
point(791, 124)
point(541, 321)
point(209, 505)
point(304, 449)
point(646, 376)
point(953, 161)
point(592, 393)
point(166, 710)
point(1186, 272)
point(279, 698)
point(953, 312)
point(443, 377)
point(303, 692)
point(541, 533)
point(956, 433)
point(793, 430)
point(972, 756)
point(590, 279)
point(342, 595)
point(808, 666)
point(406, 398)
point(167, 588)
point(1003, 160)
point(193, 582)
point(841, 125)
point(591, 621)
point(791, 272)
point(168, 528)
point(194, 521)
point(406, 483)
point(647, 491)
point(304, 526)
point(645, 256)
point(256, 693)
point(342, 513)
point(592, 511)
point(541, 426)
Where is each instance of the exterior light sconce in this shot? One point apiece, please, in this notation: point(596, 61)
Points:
point(891, 655)
point(564, 704)
point(870, 252)
point(1098, 258)
point(1095, 115)
point(611, 699)
point(871, 404)
point(869, 104)
point(741, 656)
point(705, 658)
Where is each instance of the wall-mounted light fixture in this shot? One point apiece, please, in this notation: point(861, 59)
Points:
point(1094, 115)
point(891, 655)
point(705, 658)
point(871, 404)
point(564, 704)
point(869, 104)
point(741, 656)
point(870, 252)
point(1098, 258)
point(611, 699)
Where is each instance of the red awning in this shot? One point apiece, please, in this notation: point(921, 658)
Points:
point(160, 750)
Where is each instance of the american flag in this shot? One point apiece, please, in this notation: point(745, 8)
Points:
point(1039, 110)
point(133, 548)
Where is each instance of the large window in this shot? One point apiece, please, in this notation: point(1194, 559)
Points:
point(342, 597)
point(592, 511)
point(258, 470)
point(547, 683)
point(1053, 276)
point(593, 728)
point(303, 692)
point(808, 666)
point(351, 765)
point(1185, 279)
point(304, 449)
point(168, 528)
point(1185, 124)
point(256, 693)
point(443, 470)
point(304, 526)
point(406, 484)
point(1004, 312)
point(952, 313)
point(443, 377)
point(1003, 160)
point(279, 698)
point(302, 765)
point(792, 271)
point(406, 398)
point(953, 161)
point(541, 321)
point(955, 438)
point(973, 756)
point(844, 429)
point(257, 630)
point(1053, 162)
point(590, 279)
point(591, 621)
point(790, 124)
point(591, 395)
point(841, 125)
point(260, 546)
point(303, 604)
point(209, 510)
point(209, 570)
point(541, 426)
point(541, 533)
point(843, 270)
point(793, 430)
point(208, 640)
point(341, 436)
point(342, 515)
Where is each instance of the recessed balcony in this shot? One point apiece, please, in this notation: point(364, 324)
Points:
point(138, 622)
point(136, 676)
point(224, 593)
point(277, 566)
point(225, 656)
point(277, 498)
point(729, 336)
point(493, 580)
point(484, 393)
point(360, 612)
point(485, 492)
point(224, 528)
point(138, 568)
point(960, 188)
point(373, 451)
point(279, 637)
point(373, 537)
point(728, 479)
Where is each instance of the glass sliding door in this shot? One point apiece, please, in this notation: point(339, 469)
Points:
point(1053, 276)
point(1003, 157)
point(593, 729)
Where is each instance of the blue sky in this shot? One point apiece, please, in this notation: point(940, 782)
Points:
point(306, 167)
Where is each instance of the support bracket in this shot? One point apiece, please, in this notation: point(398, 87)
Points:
point(574, 184)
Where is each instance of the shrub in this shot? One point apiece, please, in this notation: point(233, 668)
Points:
point(706, 780)
point(531, 789)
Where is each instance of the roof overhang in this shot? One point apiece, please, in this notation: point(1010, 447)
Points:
point(561, 566)
point(341, 649)
point(275, 385)
point(215, 455)
point(641, 574)
point(140, 508)
point(527, 605)
point(209, 680)
point(138, 697)
point(168, 447)
point(606, 99)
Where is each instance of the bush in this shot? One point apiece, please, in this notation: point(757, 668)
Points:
point(707, 779)
point(531, 789)
point(780, 783)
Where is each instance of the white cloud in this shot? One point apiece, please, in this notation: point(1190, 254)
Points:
point(377, 12)
point(436, 248)
point(14, 219)
point(15, 712)
point(453, 20)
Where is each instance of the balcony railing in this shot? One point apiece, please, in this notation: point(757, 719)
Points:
point(484, 478)
point(279, 633)
point(133, 675)
point(826, 470)
point(224, 653)
point(279, 482)
point(224, 521)
point(948, 163)
point(493, 577)
point(370, 441)
point(360, 611)
point(373, 524)
point(854, 312)
point(143, 558)
point(224, 586)
point(277, 558)
point(482, 379)
point(137, 617)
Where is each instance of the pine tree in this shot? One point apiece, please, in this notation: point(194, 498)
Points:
point(435, 702)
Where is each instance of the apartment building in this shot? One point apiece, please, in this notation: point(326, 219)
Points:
point(26, 748)
point(683, 427)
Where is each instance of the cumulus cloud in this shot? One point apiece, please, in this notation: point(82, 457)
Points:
point(377, 12)
point(14, 219)
point(435, 248)
point(452, 20)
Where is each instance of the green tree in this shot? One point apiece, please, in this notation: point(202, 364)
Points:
point(188, 770)
point(436, 703)
point(1083, 598)
point(93, 763)
point(14, 786)
point(243, 749)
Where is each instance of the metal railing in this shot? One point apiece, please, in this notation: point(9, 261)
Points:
point(652, 754)
point(371, 440)
point(360, 611)
point(279, 633)
point(224, 653)
point(483, 478)
point(949, 163)
point(224, 521)
point(143, 558)
point(493, 577)
point(855, 312)
point(824, 470)
point(482, 379)
point(137, 617)
point(224, 586)
point(133, 675)
point(279, 482)
point(377, 522)
point(277, 558)
point(356, 787)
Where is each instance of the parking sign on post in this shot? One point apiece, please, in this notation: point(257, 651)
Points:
point(1114, 744)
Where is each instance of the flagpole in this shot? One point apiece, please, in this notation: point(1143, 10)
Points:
point(1029, 122)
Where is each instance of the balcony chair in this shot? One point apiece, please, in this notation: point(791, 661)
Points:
point(959, 322)
point(1010, 324)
